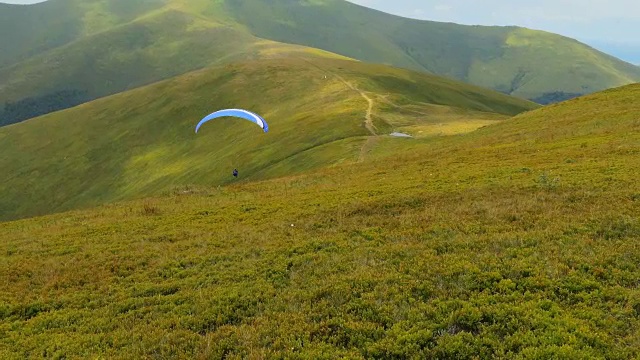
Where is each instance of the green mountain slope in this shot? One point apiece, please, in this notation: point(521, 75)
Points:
point(525, 63)
point(518, 240)
point(27, 31)
point(64, 52)
point(120, 54)
point(142, 141)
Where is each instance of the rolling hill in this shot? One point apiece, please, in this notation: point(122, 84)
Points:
point(142, 142)
point(105, 53)
point(518, 61)
point(518, 240)
point(513, 237)
point(65, 52)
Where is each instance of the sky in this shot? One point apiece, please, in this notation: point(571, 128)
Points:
point(609, 25)
point(612, 25)
point(21, 1)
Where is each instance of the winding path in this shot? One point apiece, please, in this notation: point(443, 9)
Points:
point(368, 121)
point(366, 147)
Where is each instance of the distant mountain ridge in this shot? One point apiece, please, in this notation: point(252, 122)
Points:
point(64, 52)
point(629, 52)
point(518, 61)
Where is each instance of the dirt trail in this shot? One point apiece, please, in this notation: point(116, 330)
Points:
point(368, 122)
point(366, 147)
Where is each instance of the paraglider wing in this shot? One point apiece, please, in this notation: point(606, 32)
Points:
point(244, 114)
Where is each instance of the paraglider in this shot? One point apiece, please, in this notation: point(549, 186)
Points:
point(244, 114)
point(240, 113)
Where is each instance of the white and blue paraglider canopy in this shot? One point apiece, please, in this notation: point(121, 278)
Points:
point(240, 113)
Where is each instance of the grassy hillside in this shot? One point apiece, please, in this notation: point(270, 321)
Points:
point(110, 46)
point(112, 58)
point(522, 62)
point(31, 30)
point(140, 142)
point(518, 240)
point(64, 52)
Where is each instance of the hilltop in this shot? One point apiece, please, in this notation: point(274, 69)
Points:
point(65, 52)
point(98, 48)
point(517, 240)
point(321, 111)
point(530, 64)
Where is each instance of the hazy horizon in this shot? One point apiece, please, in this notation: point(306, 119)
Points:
point(610, 26)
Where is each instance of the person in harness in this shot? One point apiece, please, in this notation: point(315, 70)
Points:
point(235, 173)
